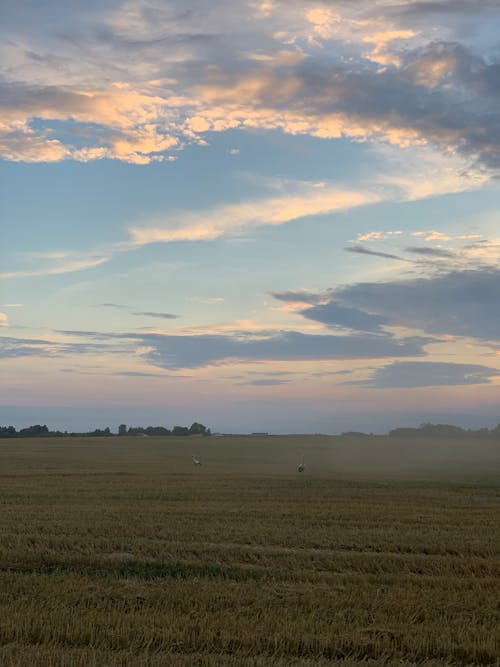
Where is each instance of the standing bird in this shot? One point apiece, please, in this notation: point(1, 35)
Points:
point(196, 462)
point(302, 465)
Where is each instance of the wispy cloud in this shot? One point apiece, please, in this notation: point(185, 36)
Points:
point(58, 263)
point(165, 316)
point(266, 382)
point(11, 348)
point(236, 218)
point(297, 200)
point(360, 250)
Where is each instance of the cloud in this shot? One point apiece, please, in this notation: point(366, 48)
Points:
point(265, 382)
point(183, 350)
point(208, 300)
point(298, 297)
point(166, 316)
point(456, 303)
point(58, 263)
point(12, 348)
point(406, 374)
point(432, 235)
point(377, 235)
point(365, 71)
point(221, 221)
point(300, 199)
point(431, 252)
point(139, 374)
point(360, 250)
point(381, 40)
point(234, 218)
point(192, 351)
point(344, 317)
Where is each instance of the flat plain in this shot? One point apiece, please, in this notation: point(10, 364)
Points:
point(118, 551)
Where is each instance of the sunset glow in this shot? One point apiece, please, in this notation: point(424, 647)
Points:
point(265, 216)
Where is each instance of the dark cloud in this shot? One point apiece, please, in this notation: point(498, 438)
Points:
point(297, 296)
point(321, 374)
point(454, 7)
point(140, 374)
point(274, 373)
point(448, 115)
point(174, 351)
point(430, 252)
point(347, 318)
point(460, 303)
point(89, 370)
point(165, 316)
point(194, 351)
point(430, 374)
point(32, 98)
point(269, 382)
point(361, 250)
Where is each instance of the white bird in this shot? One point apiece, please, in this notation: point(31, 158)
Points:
point(302, 465)
point(196, 461)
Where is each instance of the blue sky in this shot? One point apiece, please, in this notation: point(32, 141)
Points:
point(262, 215)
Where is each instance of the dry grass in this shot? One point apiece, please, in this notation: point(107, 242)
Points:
point(242, 561)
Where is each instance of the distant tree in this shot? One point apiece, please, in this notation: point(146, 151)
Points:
point(8, 432)
point(180, 430)
point(133, 430)
point(157, 430)
point(149, 430)
point(197, 429)
point(495, 432)
point(441, 430)
point(403, 431)
point(122, 429)
point(429, 430)
point(100, 433)
point(35, 431)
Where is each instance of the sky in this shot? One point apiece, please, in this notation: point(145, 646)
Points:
point(263, 215)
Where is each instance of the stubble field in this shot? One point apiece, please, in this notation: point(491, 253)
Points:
point(119, 551)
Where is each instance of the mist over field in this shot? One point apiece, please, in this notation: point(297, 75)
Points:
point(383, 457)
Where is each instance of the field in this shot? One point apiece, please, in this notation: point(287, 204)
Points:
point(119, 551)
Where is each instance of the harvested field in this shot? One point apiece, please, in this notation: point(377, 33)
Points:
point(119, 551)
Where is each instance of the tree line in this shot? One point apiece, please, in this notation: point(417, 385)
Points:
point(443, 431)
point(39, 431)
point(426, 429)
